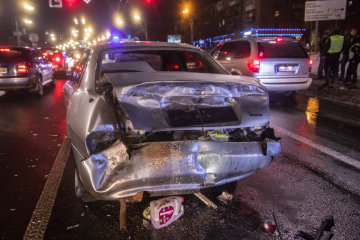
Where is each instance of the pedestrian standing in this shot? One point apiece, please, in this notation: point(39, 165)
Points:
point(323, 39)
point(332, 50)
point(348, 42)
point(354, 58)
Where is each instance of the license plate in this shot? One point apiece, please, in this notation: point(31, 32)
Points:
point(286, 69)
point(3, 70)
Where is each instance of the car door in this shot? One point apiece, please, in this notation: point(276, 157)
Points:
point(40, 65)
point(76, 75)
point(234, 55)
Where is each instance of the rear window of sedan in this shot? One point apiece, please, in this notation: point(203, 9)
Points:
point(273, 49)
point(10, 54)
point(159, 60)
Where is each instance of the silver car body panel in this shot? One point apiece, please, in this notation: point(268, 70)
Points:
point(121, 171)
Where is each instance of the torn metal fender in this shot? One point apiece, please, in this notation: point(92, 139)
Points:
point(171, 166)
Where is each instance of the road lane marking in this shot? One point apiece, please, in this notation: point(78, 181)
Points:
point(346, 159)
point(41, 215)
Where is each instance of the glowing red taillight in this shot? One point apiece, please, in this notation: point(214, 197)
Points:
point(4, 49)
point(279, 39)
point(78, 67)
point(310, 64)
point(254, 65)
point(22, 68)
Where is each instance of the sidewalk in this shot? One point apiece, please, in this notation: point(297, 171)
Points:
point(338, 94)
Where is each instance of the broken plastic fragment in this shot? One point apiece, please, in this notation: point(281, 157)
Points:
point(73, 226)
point(225, 197)
point(268, 227)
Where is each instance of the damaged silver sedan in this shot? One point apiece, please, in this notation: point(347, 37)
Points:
point(163, 118)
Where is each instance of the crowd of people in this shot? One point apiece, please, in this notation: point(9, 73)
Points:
point(332, 46)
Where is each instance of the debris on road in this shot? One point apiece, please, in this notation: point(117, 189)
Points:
point(165, 211)
point(207, 201)
point(268, 227)
point(73, 226)
point(323, 233)
point(122, 215)
point(225, 197)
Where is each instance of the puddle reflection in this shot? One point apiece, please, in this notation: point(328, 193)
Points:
point(312, 110)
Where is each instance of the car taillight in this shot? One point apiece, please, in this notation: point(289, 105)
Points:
point(310, 64)
point(4, 49)
point(279, 39)
point(57, 59)
point(254, 65)
point(45, 54)
point(22, 68)
point(78, 67)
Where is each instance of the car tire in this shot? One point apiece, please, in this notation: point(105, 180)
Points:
point(40, 87)
point(53, 81)
point(80, 190)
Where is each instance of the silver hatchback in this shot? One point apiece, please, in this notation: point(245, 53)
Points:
point(280, 64)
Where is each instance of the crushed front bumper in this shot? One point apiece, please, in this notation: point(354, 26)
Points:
point(172, 166)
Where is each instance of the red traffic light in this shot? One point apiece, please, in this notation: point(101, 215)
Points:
point(70, 3)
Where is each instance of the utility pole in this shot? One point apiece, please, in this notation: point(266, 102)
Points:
point(17, 30)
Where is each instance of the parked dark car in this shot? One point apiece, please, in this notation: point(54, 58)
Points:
point(24, 68)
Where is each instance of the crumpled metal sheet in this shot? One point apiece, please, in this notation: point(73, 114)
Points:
point(146, 98)
point(171, 166)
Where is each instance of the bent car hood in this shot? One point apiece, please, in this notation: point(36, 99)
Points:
point(164, 101)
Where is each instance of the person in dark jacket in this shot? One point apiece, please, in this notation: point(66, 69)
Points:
point(333, 48)
point(322, 55)
point(348, 41)
point(354, 59)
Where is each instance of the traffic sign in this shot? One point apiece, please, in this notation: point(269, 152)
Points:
point(33, 37)
point(55, 3)
point(325, 10)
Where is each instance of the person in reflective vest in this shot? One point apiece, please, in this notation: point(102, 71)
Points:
point(348, 42)
point(333, 48)
point(354, 58)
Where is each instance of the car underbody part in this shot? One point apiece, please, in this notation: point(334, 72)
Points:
point(205, 200)
point(323, 233)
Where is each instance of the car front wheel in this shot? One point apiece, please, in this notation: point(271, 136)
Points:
point(40, 87)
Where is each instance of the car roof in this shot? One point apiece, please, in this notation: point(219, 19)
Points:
point(146, 44)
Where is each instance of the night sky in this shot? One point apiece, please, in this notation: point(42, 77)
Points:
point(161, 16)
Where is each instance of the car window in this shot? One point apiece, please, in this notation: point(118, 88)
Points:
point(14, 54)
point(158, 60)
point(79, 69)
point(237, 49)
point(273, 49)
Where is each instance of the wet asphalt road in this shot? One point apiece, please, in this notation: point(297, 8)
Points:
point(299, 189)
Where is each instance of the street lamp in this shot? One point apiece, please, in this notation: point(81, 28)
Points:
point(26, 7)
point(119, 22)
point(137, 18)
point(186, 12)
point(28, 21)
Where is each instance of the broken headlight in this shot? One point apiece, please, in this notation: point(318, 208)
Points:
point(101, 138)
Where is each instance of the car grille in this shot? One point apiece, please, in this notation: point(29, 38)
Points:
point(202, 116)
